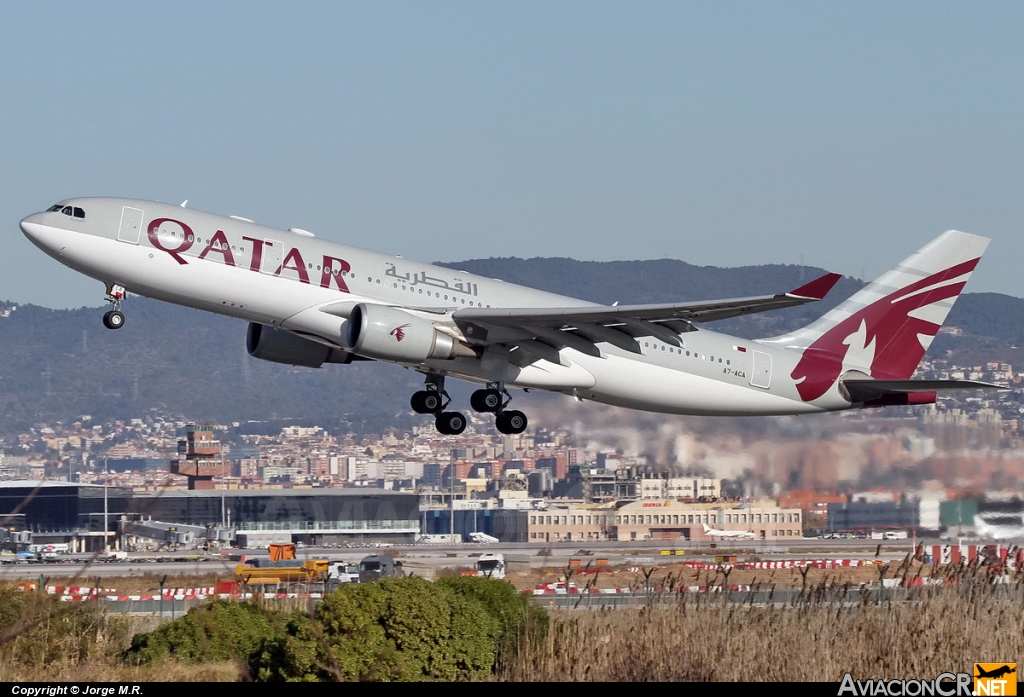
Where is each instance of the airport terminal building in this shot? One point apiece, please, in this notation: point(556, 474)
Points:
point(78, 514)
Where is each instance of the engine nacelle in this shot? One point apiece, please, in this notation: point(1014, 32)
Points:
point(277, 346)
point(389, 334)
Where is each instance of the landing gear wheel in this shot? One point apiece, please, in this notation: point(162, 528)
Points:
point(511, 422)
point(485, 400)
point(426, 402)
point(113, 319)
point(450, 423)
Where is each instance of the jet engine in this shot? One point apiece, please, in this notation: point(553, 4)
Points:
point(390, 334)
point(277, 346)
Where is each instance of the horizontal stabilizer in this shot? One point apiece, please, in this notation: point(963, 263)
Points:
point(866, 390)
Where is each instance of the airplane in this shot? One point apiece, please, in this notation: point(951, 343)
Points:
point(310, 301)
point(733, 534)
point(999, 672)
point(1005, 527)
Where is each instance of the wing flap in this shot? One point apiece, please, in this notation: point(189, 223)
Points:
point(704, 311)
point(547, 329)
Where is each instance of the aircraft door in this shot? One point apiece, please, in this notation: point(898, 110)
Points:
point(131, 225)
point(271, 261)
point(761, 375)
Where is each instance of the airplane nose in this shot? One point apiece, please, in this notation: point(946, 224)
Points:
point(30, 226)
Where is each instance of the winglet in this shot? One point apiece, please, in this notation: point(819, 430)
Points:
point(818, 288)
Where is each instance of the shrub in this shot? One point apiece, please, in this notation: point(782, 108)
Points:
point(389, 630)
point(514, 614)
point(216, 631)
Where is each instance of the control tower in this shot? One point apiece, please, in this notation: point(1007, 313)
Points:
point(202, 457)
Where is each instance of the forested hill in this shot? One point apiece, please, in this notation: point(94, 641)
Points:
point(665, 280)
point(58, 364)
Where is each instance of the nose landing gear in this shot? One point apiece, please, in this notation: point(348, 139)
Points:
point(115, 296)
point(434, 400)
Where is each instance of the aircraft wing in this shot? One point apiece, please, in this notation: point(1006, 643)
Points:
point(583, 327)
point(866, 389)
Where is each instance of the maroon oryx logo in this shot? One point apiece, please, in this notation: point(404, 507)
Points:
point(887, 329)
point(398, 332)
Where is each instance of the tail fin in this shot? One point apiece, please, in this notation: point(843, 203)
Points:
point(886, 327)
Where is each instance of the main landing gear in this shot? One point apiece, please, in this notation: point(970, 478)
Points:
point(115, 296)
point(434, 400)
point(494, 399)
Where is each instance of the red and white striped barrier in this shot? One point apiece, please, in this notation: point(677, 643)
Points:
point(77, 590)
point(1011, 557)
point(222, 596)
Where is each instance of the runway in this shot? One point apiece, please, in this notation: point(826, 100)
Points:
point(459, 556)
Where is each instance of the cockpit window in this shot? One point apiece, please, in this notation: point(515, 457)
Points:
point(73, 211)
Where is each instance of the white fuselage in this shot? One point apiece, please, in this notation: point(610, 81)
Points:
point(288, 279)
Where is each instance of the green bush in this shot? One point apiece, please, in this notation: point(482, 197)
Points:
point(220, 630)
point(516, 616)
point(389, 630)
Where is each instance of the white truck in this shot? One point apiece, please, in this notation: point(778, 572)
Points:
point(491, 565)
point(482, 538)
point(339, 572)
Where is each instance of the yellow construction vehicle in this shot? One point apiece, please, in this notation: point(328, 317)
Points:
point(281, 572)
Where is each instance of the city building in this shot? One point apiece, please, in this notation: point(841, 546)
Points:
point(59, 512)
point(670, 519)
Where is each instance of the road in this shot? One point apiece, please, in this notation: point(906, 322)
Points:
point(434, 557)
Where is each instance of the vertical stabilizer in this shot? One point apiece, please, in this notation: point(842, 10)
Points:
point(886, 327)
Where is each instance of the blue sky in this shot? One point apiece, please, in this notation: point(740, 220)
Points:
point(845, 135)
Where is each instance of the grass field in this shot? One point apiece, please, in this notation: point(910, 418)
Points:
point(687, 636)
point(703, 637)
